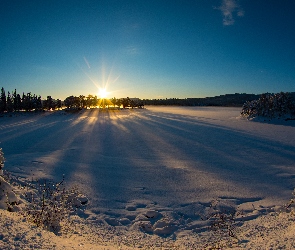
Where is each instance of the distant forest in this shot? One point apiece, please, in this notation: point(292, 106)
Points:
point(16, 102)
point(232, 100)
point(31, 102)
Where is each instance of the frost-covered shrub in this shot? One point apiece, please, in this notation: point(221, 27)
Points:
point(49, 204)
point(45, 203)
point(224, 225)
point(8, 198)
point(270, 106)
point(289, 206)
point(1, 161)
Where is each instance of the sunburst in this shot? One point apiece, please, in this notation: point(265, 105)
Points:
point(103, 93)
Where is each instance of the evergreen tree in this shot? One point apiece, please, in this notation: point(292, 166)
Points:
point(39, 103)
point(83, 101)
point(125, 102)
point(9, 103)
point(94, 101)
point(114, 101)
point(14, 97)
point(58, 104)
point(2, 100)
point(29, 101)
point(34, 102)
point(118, 103)
point(23, 102)
point(18, 103)
point(69, 101)
point(50, 102)
point(89, 101)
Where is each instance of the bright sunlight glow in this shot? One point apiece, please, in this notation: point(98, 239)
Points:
point(103, 93)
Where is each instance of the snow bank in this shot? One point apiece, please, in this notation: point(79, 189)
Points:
point(7, 196)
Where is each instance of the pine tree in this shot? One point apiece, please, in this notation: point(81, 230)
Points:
point(18, 103)
point(9, 103)
point(39, 103)
point(29, 101)
point(49, 103)
point(23, 102)
point(2, 100)
point(14, 98)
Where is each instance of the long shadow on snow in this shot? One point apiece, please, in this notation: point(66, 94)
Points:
point(235, 157)
point(166, 159)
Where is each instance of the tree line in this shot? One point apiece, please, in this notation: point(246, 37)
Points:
point(15, 102)
point(90, 101)
point(28, 102)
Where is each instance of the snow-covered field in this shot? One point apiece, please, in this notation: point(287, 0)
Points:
point(151, 175)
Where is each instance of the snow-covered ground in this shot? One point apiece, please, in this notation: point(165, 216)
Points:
point(151, 175)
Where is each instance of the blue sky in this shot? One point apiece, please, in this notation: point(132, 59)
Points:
point(147, 49)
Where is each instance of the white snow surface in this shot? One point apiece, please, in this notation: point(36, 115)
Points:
point(151, 175)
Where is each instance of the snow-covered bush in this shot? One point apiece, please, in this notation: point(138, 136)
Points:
point(289, 206)
point(224, 225)
point(49, 204)
point(1, 161)
point(8, 198)
point(45, 203)
point(270, 106)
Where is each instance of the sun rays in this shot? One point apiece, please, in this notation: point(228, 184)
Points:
point(103, 93)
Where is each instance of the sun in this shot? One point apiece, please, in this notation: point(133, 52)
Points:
point(103, 93)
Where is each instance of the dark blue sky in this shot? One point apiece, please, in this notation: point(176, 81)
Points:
point(147, 49)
